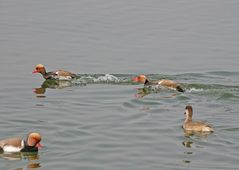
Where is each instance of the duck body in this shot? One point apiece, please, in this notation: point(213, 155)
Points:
point(54, 75)
point(59, 75)
point(191, 125)
point(13, 145)
point(163, 83)
point(197, 126)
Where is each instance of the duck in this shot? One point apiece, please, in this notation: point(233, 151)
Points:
point(15, 145)
point(54, 75)
point(170, 84)
point(196, 126)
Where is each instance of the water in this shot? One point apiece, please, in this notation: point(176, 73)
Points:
point(103, 120)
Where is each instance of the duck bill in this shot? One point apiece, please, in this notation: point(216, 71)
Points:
point(35, 71)
point(135, 79)
point(39, 146)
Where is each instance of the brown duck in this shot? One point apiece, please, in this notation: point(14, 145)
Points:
point(191, 125)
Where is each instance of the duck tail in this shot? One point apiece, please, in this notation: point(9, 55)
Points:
point(180, 89)
point(208, 129)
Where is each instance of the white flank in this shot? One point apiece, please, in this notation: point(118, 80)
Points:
point(64, 77)
point(9, 148)
point(160, 82)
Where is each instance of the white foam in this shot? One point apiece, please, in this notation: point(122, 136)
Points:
point(194, 90)
point(107, 78)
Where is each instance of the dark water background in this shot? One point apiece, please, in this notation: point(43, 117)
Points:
point(102, 120)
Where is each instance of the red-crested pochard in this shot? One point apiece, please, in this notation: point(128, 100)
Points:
point(191, 125)
point(31, 144)
point(158, 83)
point(54, 75)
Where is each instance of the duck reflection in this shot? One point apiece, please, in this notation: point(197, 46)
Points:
point(52, 84)
point(187, 143)
point(188, 153)
point(189, 133)
point(19, 156)
point(189, 138)
point(142, 92)
point(31, 157)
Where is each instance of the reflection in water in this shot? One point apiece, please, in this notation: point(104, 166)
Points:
point(188, 133)
point(20, 156)
point(186, 161)
point(31, 157)
point(188, 141)
point(39, 92)
point(141, 92)
point(188, 144)
point(52, 84)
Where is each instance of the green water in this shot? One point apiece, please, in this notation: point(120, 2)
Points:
point(108, 122)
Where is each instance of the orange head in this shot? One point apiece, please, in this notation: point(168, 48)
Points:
point(33, 139)
point(140, 79)
point(39, 69)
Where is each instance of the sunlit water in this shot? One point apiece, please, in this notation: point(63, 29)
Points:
point(103, 120)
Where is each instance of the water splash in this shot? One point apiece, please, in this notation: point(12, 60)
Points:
point(192, 90)
point(200, 84)
point(105, 79)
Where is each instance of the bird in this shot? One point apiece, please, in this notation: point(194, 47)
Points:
point(54, 75)
point(196, 126)
point(158, 83)
point(15, 145)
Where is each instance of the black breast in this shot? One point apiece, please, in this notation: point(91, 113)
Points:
point(29, 149)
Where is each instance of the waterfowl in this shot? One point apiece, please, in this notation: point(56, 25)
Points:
point(54, 75)
point(191, 125)
point(158, 83)
point(31, 144)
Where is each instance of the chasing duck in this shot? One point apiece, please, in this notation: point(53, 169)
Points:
point(158, 83)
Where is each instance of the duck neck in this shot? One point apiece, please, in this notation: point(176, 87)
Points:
point(43, 72)
point(188, 119)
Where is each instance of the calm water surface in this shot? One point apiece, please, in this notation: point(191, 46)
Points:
point(103, 120)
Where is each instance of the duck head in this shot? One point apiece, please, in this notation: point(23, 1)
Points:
point(140, 79)
point(34, 139)
point(188, 113)
point(40, 69)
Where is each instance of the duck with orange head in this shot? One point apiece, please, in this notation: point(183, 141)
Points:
point(31, 144)
point(54, 75)
point(169, 84)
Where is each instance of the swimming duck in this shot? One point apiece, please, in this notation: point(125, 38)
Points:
point(31, 144)
point(198, 126)
point(54, 75)
point(158, 83)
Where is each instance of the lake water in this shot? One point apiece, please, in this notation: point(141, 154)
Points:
point(103, 120)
